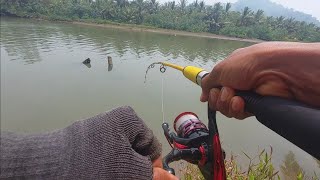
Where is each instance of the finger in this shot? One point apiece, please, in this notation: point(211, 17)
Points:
point(205, 91)
point(236, 109)
point(224, 99)
point(157, 162)
point(208, 82)
point(213, 98)
point(161, 174)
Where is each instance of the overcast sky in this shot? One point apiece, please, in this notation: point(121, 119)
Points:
point(308, 6)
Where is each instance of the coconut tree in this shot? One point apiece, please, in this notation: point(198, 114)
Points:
point(153, 6)
point(244, 19)
point(121, 3)
point(172, 5)
point(290, 25)
point(201, 6)
point(196, 4)
point(140, 6)
point(214, 17)
point(228, 6)
point(280, 21)
point(109, 9)
point(183, 4)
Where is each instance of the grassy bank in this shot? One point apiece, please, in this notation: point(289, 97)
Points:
point(144, 28)
point(260, 168)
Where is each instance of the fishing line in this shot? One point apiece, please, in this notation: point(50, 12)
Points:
point(162, 70)
point(162, 103)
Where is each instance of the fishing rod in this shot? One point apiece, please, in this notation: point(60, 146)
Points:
point(197, 144)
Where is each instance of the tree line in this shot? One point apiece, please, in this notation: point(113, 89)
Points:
point(193, 17)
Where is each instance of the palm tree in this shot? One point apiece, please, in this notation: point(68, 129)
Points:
point(140, 8)
point(196, 4)
point(217, 11)
point(153, 6)
point(201, 5)
point(271, 22)
point(244, 16)
point(183, 4)
point(228, 6)
point(108, 12)
point(290, 25)
point(258, 16)
point(279, 21)
point(173, 5)
point(121, 3)
point(214, 17)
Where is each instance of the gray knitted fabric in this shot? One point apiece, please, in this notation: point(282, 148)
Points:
point(111, 145)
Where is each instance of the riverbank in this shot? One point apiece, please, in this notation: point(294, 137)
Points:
point(142, 28)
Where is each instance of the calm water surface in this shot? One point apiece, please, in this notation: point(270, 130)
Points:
point(44, 85)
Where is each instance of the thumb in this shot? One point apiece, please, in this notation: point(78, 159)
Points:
point(161, 174)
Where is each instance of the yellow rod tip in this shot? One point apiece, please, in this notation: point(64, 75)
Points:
point(177, 67)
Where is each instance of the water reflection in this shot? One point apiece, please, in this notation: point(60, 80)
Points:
point(88, 65)
point(46, 38)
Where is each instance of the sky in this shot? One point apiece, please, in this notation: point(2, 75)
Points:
point(307, 6)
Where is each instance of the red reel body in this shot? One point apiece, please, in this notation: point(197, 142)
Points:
point(195, 143)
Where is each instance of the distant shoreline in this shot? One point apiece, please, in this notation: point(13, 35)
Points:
point(143, 28)
point(138, 28)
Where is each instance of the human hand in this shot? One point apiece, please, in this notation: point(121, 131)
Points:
point(289, 70)
point(159, 173)
point(128, 146)
point(143, 142)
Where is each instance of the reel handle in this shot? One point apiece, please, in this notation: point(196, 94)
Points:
point(165, 162)
point(295, 121)
point(178, 154)
point(165, 127)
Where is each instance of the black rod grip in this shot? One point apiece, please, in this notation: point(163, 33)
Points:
point(295, 121)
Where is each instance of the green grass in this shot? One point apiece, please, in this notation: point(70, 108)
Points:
point(260, 167)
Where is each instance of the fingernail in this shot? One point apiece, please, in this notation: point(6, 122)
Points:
point(224, 94)
point(235, 106)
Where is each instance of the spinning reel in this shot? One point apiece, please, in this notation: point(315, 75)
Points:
point(196, 144)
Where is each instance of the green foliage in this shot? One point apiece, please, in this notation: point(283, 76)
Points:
point(171, 19)
point(263, 169)
point(193, 17)
point(260, 167)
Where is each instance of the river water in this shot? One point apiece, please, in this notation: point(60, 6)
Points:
point(45, 86)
